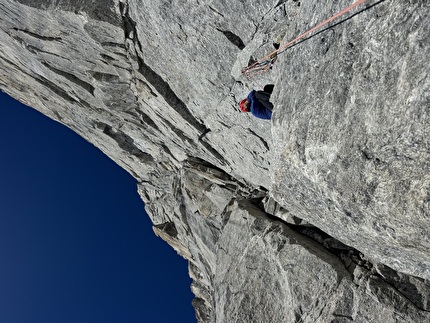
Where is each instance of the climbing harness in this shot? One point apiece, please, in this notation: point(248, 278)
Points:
point(267, 61)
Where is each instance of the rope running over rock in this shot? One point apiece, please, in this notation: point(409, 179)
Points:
point(267, 61)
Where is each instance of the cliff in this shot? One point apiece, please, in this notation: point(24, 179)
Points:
point(319, 215)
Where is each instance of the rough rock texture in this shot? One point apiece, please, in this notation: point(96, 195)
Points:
point(155, 85)
point(352, 142)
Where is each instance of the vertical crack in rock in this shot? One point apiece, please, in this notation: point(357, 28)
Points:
point(264, 142)
point(167, 93)
point(351, 258)
point(164, 89)
point(233, 38)
point(415, 289)
point(216, 11)
point(354, 273)
point(153, 78)
point(349, 153)
point(281, 2)
point(211, 149)
point(168, 152)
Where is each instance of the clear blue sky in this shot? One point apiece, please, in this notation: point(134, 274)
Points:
point(75, 243)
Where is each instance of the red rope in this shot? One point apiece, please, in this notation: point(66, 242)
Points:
point(269, 57)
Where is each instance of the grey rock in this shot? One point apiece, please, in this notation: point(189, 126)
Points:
point(351, 132)
point(297, 280)
point(318, 216)
point(414, 288)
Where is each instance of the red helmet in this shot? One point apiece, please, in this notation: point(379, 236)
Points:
point(242, 106)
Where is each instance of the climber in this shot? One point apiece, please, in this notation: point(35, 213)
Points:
point(258, 103)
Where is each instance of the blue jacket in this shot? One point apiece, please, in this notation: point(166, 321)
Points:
point(260, 107)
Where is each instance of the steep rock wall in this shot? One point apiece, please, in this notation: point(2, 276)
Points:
point(155, 85)
point(351, 133)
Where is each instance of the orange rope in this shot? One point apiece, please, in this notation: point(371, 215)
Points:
point(269, 57)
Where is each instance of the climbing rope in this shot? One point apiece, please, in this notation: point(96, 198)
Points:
point(267, 61)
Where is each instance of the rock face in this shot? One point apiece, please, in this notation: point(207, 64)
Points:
point(352, 150)
point(320, 215)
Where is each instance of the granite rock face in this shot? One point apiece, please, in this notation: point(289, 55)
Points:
point(320, 215)
point(352, 141)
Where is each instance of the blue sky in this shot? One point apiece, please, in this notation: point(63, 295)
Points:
point(75, 243)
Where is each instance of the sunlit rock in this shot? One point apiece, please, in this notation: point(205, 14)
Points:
point(319, 215)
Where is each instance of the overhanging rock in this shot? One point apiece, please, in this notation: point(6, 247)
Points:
point(155, 85)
